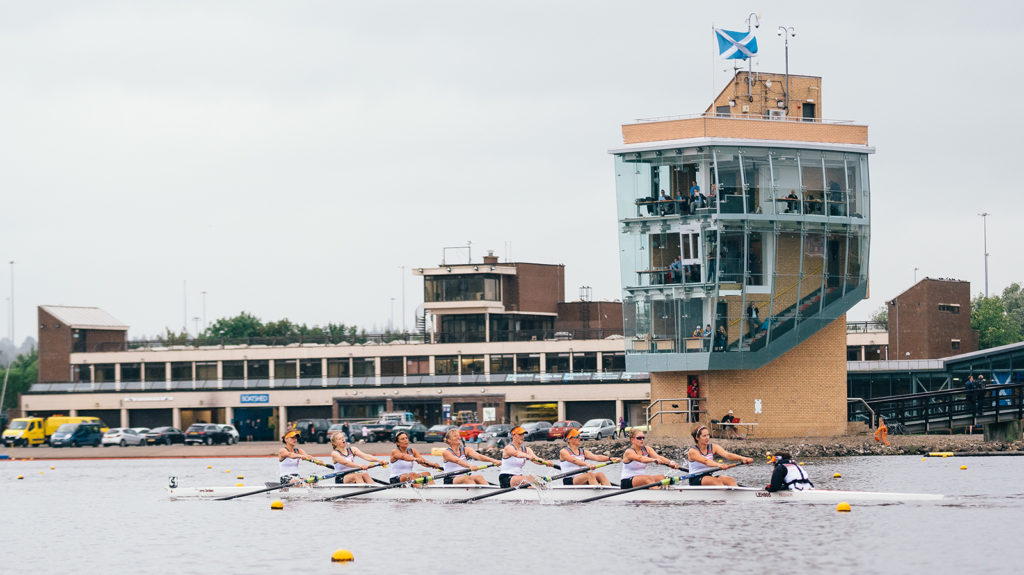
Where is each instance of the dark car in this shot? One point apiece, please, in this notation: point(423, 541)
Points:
point(311, 430)
point(77, 434)
point(164, 435)
point(207, 433)
point(417, 431)
point(437, 432)
point(560, 428)
point(496, 434)
point(537, 430)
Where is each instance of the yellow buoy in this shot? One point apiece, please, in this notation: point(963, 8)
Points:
point(227, 471)
point(209, 467)
point(239, 485)
point(837, 475)
point(40, 473)
point(277, 504)
point(924, 459)
point(342, 555)
point(843, 506)
point(963, 467)
point(52, 467)
point(21, 477)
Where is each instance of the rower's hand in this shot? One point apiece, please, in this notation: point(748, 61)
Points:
point(591, 466)
point(364, 467)
point(674, 465)
point(747, 460)
point(615, 459)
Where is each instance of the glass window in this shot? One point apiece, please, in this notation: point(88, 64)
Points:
point(584, 362)
point(206, 371)
point(728, 181)
point(462, 328)
point(472, 364)
point(528, 363)
point(284, 368)
point(613, 361)
point(417, 365)
point(462, 287)
point(311, 368)
point(501, 364)
point(392, 366)
point(836, 190)
point(757, 180)
point(155, 371)
point(131, 372)
point(812, 181)
point(364, 367)
point(338, 367)
point(103, 372)
point(259, 369)
point(181, 371)
point(233, 369)
point(446, 365)
point(556, 363)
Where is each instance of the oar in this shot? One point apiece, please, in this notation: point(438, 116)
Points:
point(547, 479)
point(313, 479)
point(409, 482)
point(666, 481)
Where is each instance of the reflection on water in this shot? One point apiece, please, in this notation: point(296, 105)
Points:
point(114, 515)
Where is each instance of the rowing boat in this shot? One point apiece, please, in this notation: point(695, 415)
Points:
point(561, 494)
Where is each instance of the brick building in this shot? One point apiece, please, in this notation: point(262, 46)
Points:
point(744, 236)
point(932, 319)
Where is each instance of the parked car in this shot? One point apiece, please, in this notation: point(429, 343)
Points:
point(597, 429)
point(437, 432)
point(537, 430)
point(77, 434)
point(471, 431)
point(141, 430)
point(165, 435)
point(335, 428)
point(416, 430)
point(560, 428)
point(384, 428)
point(496, 434)
point(122, 436)
point(232, 433)
point(311, 430)
point(208, 433)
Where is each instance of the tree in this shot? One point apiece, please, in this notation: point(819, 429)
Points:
point(1013, 303)
point(241, 326)
point(995, 327)
point(24, 371)
point(881, 315)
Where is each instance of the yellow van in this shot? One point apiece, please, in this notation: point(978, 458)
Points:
point(55, 421)
point(24, 431)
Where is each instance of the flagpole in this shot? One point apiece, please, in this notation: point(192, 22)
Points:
point(714, 45)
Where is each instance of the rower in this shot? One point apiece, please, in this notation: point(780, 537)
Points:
point(574, 457)
point(456, 457)
point(289, 457)
point(344, 457)
point(635, 460)
point(788, 475)
point(513, 457)
point(402, 459)
point(702, 458)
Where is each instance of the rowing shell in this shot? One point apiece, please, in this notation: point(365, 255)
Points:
point(560, 494)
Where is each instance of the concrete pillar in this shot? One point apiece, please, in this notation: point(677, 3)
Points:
point(323, 371)
point(72, 413)
point(273, 363)
point(124, 417)
point(619, 410)
point(282, 419)
point(561, 410)
point(176, 417)
point(229, 414)
point(1009, 431)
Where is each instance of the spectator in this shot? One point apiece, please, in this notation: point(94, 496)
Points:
point(622, 426)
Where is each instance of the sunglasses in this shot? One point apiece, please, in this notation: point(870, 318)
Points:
point(640, 437)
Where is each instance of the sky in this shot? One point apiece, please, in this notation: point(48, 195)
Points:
point(290, 158)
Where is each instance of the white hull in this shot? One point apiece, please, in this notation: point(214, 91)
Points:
point(558, 494)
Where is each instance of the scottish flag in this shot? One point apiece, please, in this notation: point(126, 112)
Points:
point(736, 45)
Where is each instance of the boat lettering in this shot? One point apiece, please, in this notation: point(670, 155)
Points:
point(763, 494)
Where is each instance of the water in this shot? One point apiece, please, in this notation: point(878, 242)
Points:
point(113, 515)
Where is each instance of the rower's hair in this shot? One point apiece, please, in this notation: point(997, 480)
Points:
point(696, 432)
point(634, 432)
point(448, 434)
point(335, 436)
point(400, 434)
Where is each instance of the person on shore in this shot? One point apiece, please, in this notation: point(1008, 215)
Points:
point(514, 456)
point(730, 429)
point(402, 459)
point(573, 456)
point(457, 457)
point(344, 457)
point(882, 433)
point(635, 460)
point(787, 474)
point(702, 458)
point(288, 458)
point(622, 426)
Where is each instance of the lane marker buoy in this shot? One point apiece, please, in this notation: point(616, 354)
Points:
point(963, 467)
point(277, 504)
point(837, 475)
point(843, 507)
point(343, 556)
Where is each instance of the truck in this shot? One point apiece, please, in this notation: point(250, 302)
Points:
point(381, 431)
point(26, 431)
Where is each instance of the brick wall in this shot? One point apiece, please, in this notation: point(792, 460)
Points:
point(918, 326)
point(802, 393)
point(54, 349)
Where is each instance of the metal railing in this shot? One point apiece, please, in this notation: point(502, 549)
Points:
point(692, 410)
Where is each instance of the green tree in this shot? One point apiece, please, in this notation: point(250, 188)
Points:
point(881, 315)
point(241, 326)
point(24, 371)
point(995, 327)
point(1013, 303)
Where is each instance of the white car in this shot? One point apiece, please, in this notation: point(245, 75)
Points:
point(122, 436)
point(230, 430)
point(597, 429)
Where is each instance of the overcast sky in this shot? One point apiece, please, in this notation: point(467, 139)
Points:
point(288, 157)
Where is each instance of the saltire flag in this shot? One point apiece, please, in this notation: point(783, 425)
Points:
point(736, 45)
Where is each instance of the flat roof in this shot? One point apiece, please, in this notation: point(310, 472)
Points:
point(84, 317)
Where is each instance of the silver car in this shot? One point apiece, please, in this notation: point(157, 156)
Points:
point(597, 429)
point(122, 436)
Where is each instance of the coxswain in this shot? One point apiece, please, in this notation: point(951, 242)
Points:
point(457, 456)
point(402, 459)
point(514, 456)
point(702, 458)
point(636, 458)
point(788, 475)
point(344, 459)
point(573, 456)
point(289, 457)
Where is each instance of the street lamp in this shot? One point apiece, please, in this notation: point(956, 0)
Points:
point(786, 32)
point(984, 221)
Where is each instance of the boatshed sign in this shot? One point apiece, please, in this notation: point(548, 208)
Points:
point(255, 398)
